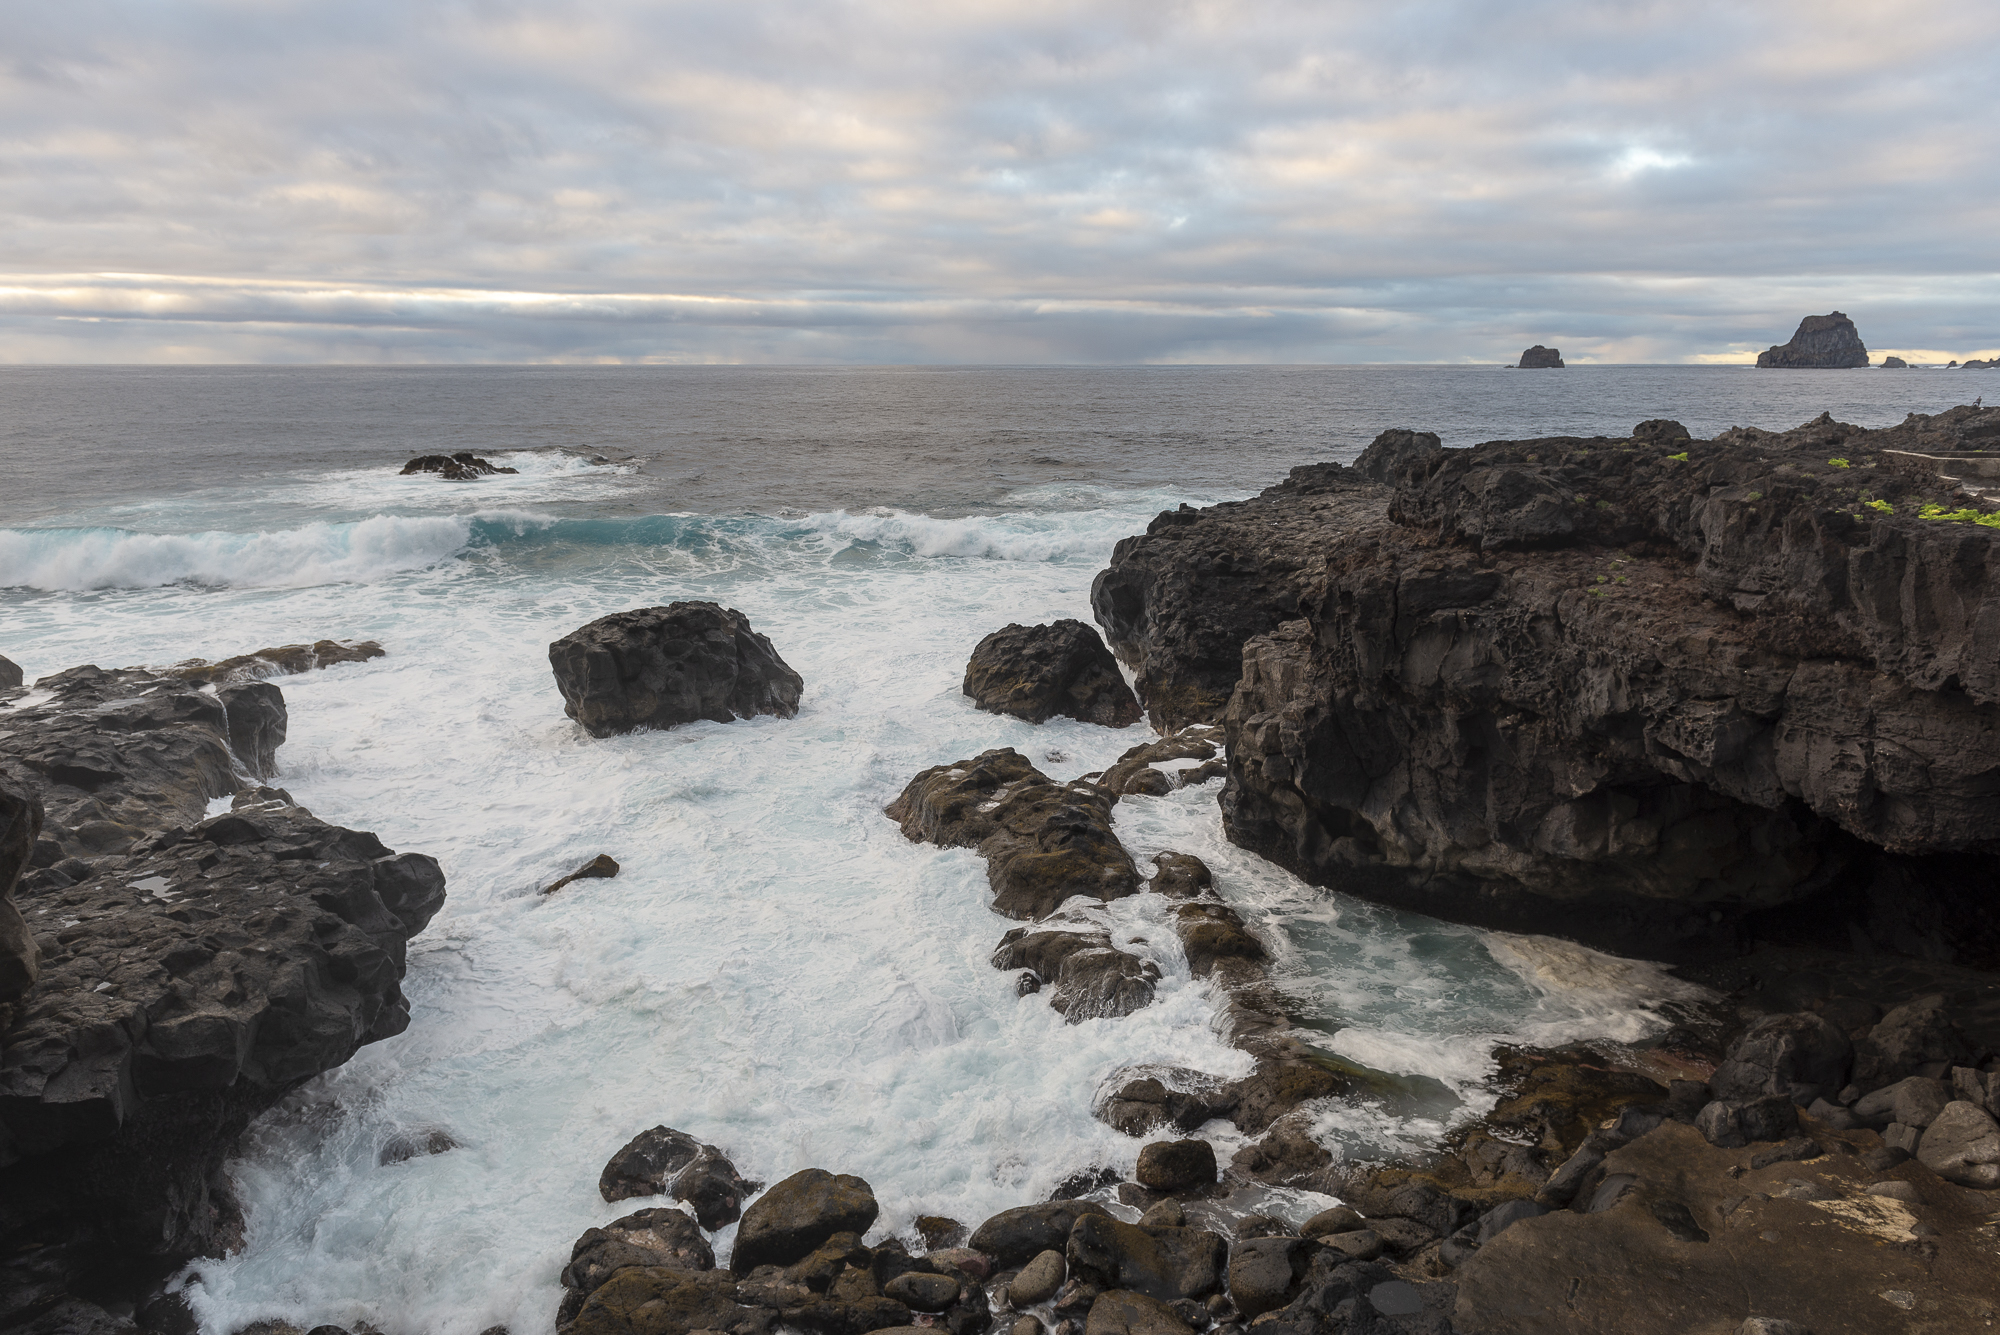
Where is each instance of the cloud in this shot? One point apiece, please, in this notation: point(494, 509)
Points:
point(1110, 181)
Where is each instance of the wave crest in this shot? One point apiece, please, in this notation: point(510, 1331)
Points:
point(321, 553)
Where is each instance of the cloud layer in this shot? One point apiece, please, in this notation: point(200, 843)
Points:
point(248, 180)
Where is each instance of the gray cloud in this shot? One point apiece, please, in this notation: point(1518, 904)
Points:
point(871, 181)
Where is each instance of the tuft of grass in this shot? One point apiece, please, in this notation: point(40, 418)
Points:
point(1883, 506)
point(1604, 505)
point(1839, 463)
point(1680, 458)
point(1617, 579)
point(1962, 516)
point(1754, 496)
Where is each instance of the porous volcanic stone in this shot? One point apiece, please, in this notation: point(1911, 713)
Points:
point(798, 1214)
point(656, 667)
point(1038, 672)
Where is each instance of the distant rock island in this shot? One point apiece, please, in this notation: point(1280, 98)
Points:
point(1894, 364)
point(1824, 342)
point(1538, 356)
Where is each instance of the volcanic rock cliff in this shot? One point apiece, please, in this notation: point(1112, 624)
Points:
point(1649, 693)
point(188, 971)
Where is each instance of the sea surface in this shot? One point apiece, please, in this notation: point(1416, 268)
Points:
point(776, 970)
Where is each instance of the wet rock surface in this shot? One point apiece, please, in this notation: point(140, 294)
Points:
point(193, 969)
point(282, 660)
point(1043, 841)
point(462, 466)
point(798, 1214)
point(658, 667)
point(1039, 672)
point(1594, 688)
point(1086, 977)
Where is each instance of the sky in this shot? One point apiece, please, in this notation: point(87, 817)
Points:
point(992, 181)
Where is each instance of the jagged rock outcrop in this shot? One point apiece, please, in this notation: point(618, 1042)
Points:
point(20, 828)
point(1621, 692)
point(1177, 604)
point(1825, 342)
point(1087, 976)
point(281, 660)
point(1038, 672)
point(462, 466)
point(655, 667)
point(193, 969)
point(1043, 841)
point(1540, 358)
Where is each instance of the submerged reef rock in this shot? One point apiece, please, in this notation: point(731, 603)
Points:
point(1540, 358)
point(1038, 672)
point(1825, 342)
point(464, 466)
point(656, 667)
point(284, 660)
point(1631, 692)
point(1043, 841)
point(601, 867)
point(1089, 978)
point(193, 969)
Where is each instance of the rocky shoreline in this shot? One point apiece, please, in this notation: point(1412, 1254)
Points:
point(1734, 704)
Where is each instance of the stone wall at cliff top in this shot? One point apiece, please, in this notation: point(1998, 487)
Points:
point(1636, 692)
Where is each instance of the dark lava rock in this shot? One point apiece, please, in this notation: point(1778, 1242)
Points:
point(1091, 979)
point(1894, 364)
point(1659, 431)
point(665, 1300)
point(647, 1163)
point(1121, 1312)
point(1276, 1088)
point(10, 673)
point(284, 660)
point(601, 867)
point(712, 1188)
point(1826, 342)
point(798, 1214)
point(1176, 1165)
point(1265, 1273)
point(1137, 1103)
point(1043, 841)
point(463, 466)
point(413, 1145)
point(1801, 1056)
point(1163, 1263)
point(1733, 1124)
point(1211, 932)
point(1540, 358)
point(1134, 772)
point(20, 827)
point(186, 987)
point(1015, 1237)
point(1599, 690)
point(921, 1292)
point(1180, 876)
point(663, 1238)
point(1177, 604)
point(1038, 672)
point(656, 667)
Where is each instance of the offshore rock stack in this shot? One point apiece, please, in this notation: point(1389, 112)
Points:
point(1823, 342)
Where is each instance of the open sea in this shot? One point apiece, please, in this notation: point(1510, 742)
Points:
point(776, 970)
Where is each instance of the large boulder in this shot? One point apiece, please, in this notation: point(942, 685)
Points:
point(1802, 1056)
point(1043, 841)
point(1265, 1273)
point(1016, 1236)
point(665, 1238)
point(1962, 1145)
point(10, 673)
point(655, 667)
point(1918, 1037)
point(1823, 342)
point(1163, 1263)
point(794, 1217)
point(1038, 672)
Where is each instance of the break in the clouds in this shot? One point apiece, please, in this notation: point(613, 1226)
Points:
point(783, 180)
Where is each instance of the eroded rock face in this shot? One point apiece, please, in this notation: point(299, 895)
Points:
point(656, 667)
point(1825, 342)
point(1088, 978)
point(20, 827)
point(1177, 604)
point(1588, 688)
point(1043, 841)
point(192, 970)
point(1038, 672)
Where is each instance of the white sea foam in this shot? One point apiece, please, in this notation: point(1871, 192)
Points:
point(776, 970)
point(76, 559)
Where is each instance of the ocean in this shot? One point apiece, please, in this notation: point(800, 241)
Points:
point(776, 970)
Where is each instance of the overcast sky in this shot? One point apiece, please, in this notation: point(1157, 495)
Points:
point(992, 180)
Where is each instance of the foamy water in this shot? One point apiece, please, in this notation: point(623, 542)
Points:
point(776, 970)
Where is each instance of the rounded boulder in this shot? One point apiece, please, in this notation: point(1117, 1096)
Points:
point(1038, 672)
point(1176, 1165)
point(656, 667)
point(794, 1217)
